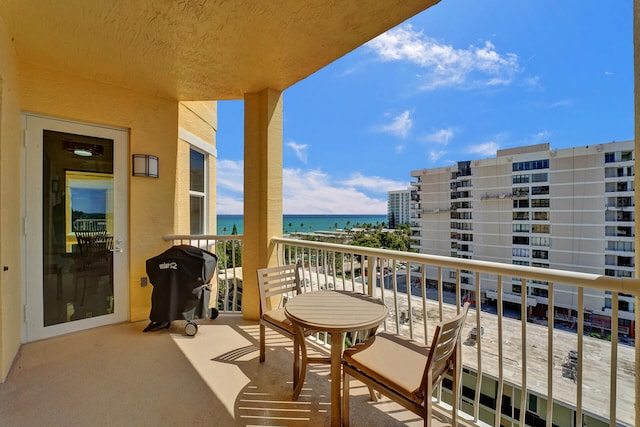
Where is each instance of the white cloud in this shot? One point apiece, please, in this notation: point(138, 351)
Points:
point(475, 66)
point(309, 191)
point(400, 125)
point(230, 174)
point(300, 150)
point(562, 103)
point(434, 156)
point(229, 205)
point(315, 192)
point(374, 183)
point(533, 82)
point(441, 136)
point(230, 186)
point(486, 149)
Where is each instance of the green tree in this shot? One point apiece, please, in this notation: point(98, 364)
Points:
point(229, 251)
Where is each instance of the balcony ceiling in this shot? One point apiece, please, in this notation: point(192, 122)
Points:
point(196, 49)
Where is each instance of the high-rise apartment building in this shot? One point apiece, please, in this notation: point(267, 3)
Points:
point(399, 207)
point(568, 209)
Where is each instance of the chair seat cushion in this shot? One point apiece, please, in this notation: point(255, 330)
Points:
point(278, 318)
point(391, 359)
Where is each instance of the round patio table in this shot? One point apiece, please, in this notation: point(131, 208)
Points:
point(334, 312)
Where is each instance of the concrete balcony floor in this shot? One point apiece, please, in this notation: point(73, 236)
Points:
point(118, 376)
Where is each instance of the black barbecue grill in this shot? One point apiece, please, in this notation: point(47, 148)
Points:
point(180, 277)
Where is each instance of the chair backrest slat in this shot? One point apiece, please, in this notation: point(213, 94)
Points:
point(274, 281)
point(445, 339)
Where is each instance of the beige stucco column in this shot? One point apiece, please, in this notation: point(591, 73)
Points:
point(262, 190)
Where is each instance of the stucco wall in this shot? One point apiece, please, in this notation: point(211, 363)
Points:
point(199, 118)
point(10, 225)
point(153, 125)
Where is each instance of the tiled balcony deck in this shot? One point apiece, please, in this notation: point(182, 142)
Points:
point(119, 376)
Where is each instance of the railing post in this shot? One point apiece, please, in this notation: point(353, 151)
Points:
point(371, 274)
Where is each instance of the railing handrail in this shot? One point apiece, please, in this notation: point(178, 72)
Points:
point(563, 277)
point(526, 334)
point(169, 237)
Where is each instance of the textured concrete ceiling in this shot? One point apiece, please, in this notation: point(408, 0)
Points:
point(196, 49)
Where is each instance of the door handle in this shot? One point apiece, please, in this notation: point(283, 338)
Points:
point(117, 247)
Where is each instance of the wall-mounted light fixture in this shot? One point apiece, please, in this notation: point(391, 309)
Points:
point(145, 165)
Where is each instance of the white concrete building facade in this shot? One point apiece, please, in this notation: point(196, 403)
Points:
point(399, 207)
point(569, 209)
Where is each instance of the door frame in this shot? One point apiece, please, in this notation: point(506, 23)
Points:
point(32, 257)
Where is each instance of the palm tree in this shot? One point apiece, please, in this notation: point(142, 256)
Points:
point(290, 226)
point(348, 224)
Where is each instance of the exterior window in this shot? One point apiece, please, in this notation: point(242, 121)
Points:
point(540, 228)
point(520, 216)
point(520, 252)
point(535, 164)
point(541, 216)
point(523, 203)
point(540, 203)
point(609, 157)
point(533, 403)
point(521, 191)
point(539, 177)
point(544, 189)
point(540, 241)
point(540, 254)
point(520, 240)
point(521, 228)
point(520, 179)
point(197, 192)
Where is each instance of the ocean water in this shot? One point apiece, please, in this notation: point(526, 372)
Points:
point(308, 223)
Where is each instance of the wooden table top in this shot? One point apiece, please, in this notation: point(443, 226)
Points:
point(335, 311)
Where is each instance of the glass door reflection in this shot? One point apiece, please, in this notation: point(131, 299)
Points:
point(77, 228)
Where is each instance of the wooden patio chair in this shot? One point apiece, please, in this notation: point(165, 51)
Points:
point(93, 257)
point(277, 285)
point(407, 371)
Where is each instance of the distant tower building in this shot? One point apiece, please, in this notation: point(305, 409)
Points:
point(568, 209)
point(399, 207)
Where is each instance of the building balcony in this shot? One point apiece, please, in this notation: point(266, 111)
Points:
point(215, 376)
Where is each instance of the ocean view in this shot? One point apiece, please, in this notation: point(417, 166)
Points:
point(309, 223)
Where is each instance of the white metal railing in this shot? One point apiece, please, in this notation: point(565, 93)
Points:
point(584, 377)
point(552, 359)
point(228, 250)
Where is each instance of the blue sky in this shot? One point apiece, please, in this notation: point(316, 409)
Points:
point(457, 82)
